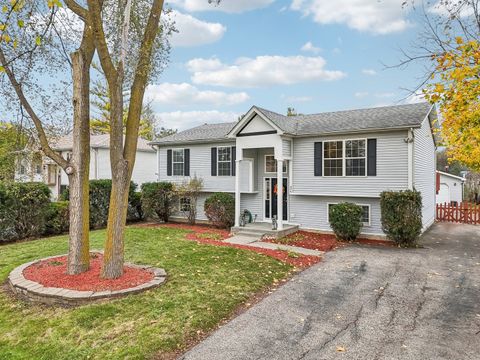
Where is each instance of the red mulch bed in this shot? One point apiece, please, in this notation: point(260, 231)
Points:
point(322, 242)
point(200, 234)
point(308, 240)
point(52, 273)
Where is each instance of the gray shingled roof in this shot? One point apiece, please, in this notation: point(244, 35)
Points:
point(96, 141)
point(380, 118)
point(206, 132)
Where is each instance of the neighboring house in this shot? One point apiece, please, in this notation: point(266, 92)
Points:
point(449, 188)
point(320, 159)
point(57, 180)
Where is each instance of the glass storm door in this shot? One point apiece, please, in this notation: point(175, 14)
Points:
point(271, 198)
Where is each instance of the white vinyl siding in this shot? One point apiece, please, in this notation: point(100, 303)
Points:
point(200, 166)
point(311, 212)
point(392, 168)
point(424, 171)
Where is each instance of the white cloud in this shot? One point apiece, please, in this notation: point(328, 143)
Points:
point(378, 17)
point(309, 47)
point(261, 71)
point(297, 99)
point(182, 120)
point(195, 32)
point(457, 8)
point(361, 94)
point(228, 6)
point(370, 72)
point(184, 94)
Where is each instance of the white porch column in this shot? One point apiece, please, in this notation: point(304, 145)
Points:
point(237, 193)
point(280, 194)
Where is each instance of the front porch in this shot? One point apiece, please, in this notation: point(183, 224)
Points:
point(259, 229)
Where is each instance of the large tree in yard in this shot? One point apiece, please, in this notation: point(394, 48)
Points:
point(122, 149)
point(28, 47)
point(448, 47)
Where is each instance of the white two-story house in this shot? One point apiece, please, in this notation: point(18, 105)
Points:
point(46, 170)
point(320, 160)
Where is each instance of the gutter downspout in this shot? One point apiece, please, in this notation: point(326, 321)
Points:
point(409, 140)
point(158, 163)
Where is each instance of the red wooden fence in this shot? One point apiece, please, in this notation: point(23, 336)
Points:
point(466, 213)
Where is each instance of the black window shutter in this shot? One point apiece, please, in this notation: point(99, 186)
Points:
point(234, 158)
point(318, 157)
point(186, 162)
point(214, 161)
point(169, 162)
point(372, 157)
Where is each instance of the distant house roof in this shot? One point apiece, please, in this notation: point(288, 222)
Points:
point(451, 175)
point(65, 143)
point(206, 132)
point(380, 118)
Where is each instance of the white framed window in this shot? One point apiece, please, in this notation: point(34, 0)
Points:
point(345, 157)
point(366, 213)
point(333, 158)
point(38, 169)
point(355, 157)
point(271, 164)
point(178, 162)
point(184, 204)
point(22, 169)
point(224, 160)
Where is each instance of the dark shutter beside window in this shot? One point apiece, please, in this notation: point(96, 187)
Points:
point(234, 158)
point(214, 161)
point(186, 162)
point(318, 157)
point(372, 157)
point(169, 162)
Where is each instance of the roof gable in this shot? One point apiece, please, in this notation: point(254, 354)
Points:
point(256, 126)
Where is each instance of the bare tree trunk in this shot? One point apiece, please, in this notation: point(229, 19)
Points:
point(122, 158)
point(78, 253)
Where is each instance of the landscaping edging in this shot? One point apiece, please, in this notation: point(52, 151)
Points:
point(37, 293)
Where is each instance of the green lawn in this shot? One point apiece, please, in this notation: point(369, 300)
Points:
point(205, 284)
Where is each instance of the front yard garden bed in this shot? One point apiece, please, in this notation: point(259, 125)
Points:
point(322, 242)
point(211, 236)
point(206, 285)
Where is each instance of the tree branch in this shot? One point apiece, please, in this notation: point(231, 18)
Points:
point(111, 73)
point(77, 9)
point(142, 72)
point(48, 151)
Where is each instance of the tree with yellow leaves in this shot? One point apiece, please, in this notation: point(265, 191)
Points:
point(456, 91)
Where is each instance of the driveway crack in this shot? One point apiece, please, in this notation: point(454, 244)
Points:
point(352, 324)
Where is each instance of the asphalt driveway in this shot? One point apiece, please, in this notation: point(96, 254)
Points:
point(365, 302)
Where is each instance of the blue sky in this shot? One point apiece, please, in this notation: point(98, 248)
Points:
point(313, 55)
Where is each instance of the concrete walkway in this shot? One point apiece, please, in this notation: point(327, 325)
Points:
point(366, 302)
point(255, 242)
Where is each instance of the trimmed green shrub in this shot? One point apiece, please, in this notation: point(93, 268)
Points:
point(57, 218)
point(345, 220)
point(220, 210)
point(100, 191)
point(23, 208)
point(158, 200)
point(402, 216)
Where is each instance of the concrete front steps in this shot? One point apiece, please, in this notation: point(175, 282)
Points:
point(258, 230)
